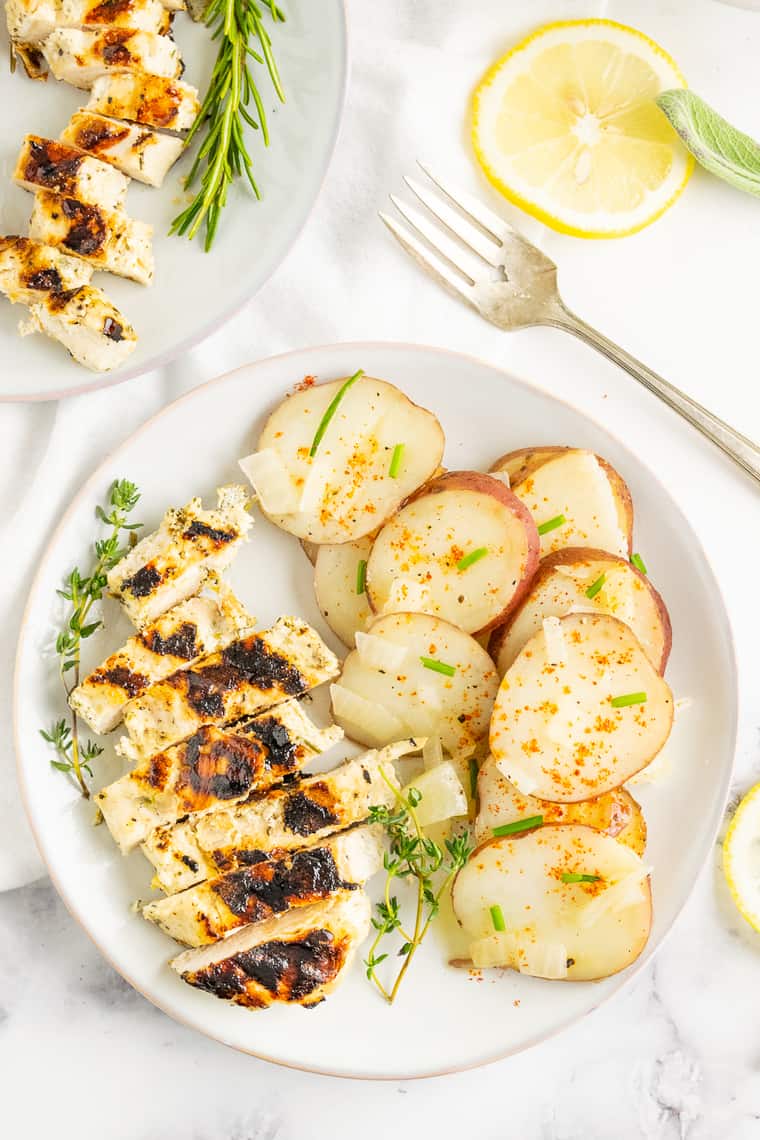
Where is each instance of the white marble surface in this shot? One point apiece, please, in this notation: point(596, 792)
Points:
point(677, 1054)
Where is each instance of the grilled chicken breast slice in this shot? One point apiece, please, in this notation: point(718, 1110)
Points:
point(138, 152)
point(32, 21)
point(173, 562)
point(29, 270)
point(78, 57)
point(151, 100)
point(86, 323)
point(249, 675)
point(203, 847)
point(190, 630)
point(297, 958)
point(215, 909)
point(45, 164)
point(212, 768)
point(107, 239)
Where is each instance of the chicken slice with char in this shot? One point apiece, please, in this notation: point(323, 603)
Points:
point(107, 239)
point(208, 845)
point(30, 269)
point(78, 57)
point(173, 562)
point(298, 957)
point(46, 164)
point(184, 633)
point(151, 100)
point(138, 152)
point(249, 675)
point(212, 768)
point(86, 323)
point(212, 910)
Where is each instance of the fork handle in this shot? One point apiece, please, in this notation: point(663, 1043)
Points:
point(737, 446)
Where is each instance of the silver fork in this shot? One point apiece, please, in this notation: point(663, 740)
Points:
point(473, 252)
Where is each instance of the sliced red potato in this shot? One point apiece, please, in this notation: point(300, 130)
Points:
point(413, 674)
point(339, 583)
point(579, 578)
point(575, 497)
point(520, 900)
point(340, 458)
point(580, 710)
point(468, 541)
point(616, 813)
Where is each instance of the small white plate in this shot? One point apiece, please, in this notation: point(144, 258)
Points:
point(443, 1020)
point(193, 292)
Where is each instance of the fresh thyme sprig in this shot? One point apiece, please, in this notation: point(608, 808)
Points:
point(412, 855)
point(82, 592)
point(238, 26)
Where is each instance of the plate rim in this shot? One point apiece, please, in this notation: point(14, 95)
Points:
point(197, 336)
point(622, 979)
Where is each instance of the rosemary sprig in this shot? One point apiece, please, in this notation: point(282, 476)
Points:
point(226, 108)
point(412, 855)
point(82, 592)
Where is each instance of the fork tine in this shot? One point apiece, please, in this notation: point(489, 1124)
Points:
point(435, 266)
point(480, 213)
point(444, 245)
point(472, 236)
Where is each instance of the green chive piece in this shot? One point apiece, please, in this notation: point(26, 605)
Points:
point(332, 407)
point(518, 825)
point(398, 455)
point(361, 576)
point(552, 524)
point(439, 666)
point(497, 918)
point(638, 562)
point(628, 699)
point(474, 777)
point(574, 877)
point(596, 586)
point(471, 558)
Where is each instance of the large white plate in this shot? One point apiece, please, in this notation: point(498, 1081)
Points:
point(443, 1020)
point(193, 292)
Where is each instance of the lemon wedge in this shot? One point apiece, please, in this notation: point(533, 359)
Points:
point(566, 126)
point(741, 857)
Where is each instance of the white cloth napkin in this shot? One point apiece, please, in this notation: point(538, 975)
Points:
point(681, 295)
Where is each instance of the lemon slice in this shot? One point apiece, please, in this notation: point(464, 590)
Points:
point(566, 126)
point(741, 857)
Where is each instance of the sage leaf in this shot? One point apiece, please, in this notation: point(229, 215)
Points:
point(716, 145)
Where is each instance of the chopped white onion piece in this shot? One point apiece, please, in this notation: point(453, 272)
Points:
point(502, 476)
point(542, 959)
point(442, 794)
point(556, 649)
point(619, 895)
point(271, 481)
point(375, 720)
point(314, 486)
point(432, 753)
point(496, 949)
point(379, 653)
point(524, 780)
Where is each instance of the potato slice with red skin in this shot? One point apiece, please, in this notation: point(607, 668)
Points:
point(345, 488)
point(616, 813)
point(582, 486)
point(336, 576)
point(555, 732)
point(457, 708)
point(522, 875)
point(561, 584)
point(455, 515)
